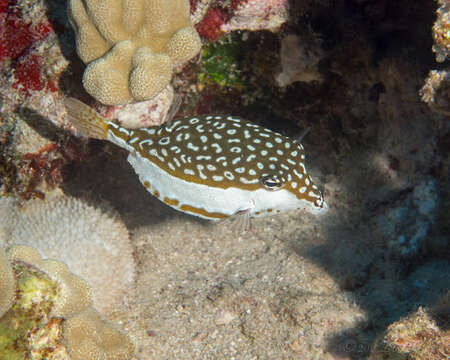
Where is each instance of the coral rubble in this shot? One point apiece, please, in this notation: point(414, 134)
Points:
point(131, 49)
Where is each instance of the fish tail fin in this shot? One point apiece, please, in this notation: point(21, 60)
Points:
point(86, 120)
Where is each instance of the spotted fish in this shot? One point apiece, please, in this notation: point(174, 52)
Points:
point(212, 166)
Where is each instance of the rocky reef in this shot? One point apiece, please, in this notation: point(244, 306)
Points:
point(366, 81)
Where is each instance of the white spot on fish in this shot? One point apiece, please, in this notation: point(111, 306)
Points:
point(229, 175)
point(233, 119)
point(231, 131)
point(217, 178)
point(240, 170)
point(194, 121)
point(189, 172)
point(200, 172)
point(147, 141)
point(251, 147)
point(192, 146)
point(251, 157)
point(246, 181)
point(303, 189)
point(217, 147)
point(236, 160)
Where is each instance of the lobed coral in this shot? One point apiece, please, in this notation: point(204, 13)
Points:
point(131, 48)
point(87, 336)
point(93, 243)
point(47, 297)
point(7, 284)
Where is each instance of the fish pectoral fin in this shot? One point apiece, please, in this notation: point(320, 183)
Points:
point(243, 217)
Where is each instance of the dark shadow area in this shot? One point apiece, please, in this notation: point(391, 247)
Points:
point(385, 287)
point(70, 82)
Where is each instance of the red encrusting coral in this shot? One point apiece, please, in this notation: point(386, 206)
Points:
point(28, 73)
point(17, 38)
point(209, 27)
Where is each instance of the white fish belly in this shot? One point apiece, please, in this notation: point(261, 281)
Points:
point(210, 199)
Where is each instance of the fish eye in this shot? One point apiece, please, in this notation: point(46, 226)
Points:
point(272, 182)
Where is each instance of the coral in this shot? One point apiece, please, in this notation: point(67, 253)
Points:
point(47, 297)
point(299, 57)
point(131, 51)
point(94, 244)
point(213, 18)
point(24, 28)
point(210, 27)
point(88, 337)
point(7, 218)
point(19, 32)
point(141, 114)
point(28, 330)
point(7, 284)
point(441, 31)
point(436, 91)
point(418, 336)
point(257, 15)
point(220, 63)
point(74, 293)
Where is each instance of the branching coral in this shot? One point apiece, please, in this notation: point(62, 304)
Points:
point(131, 48)
point(93, 243)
